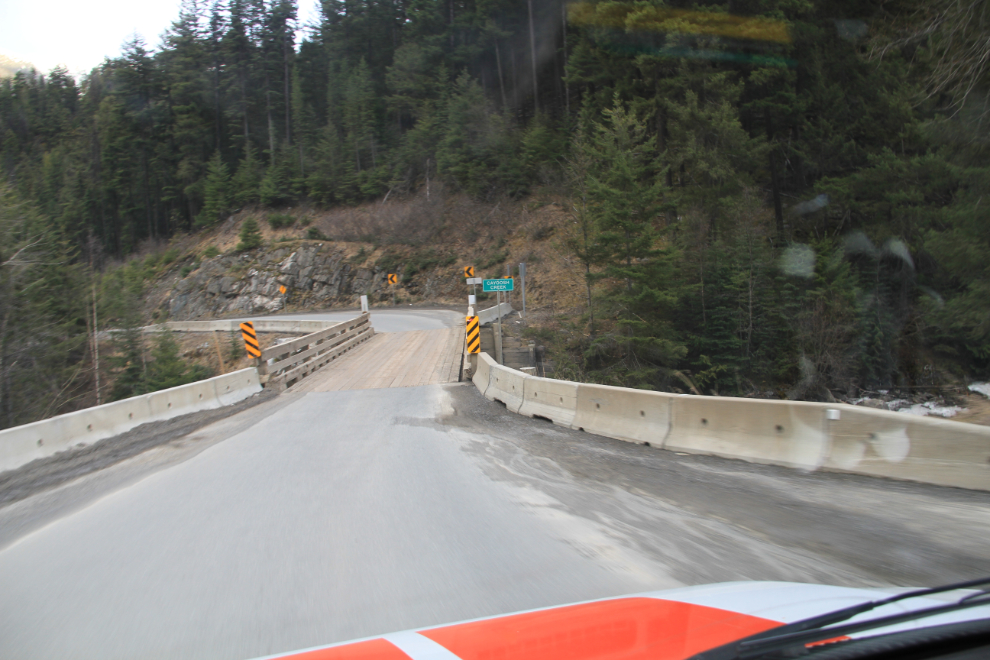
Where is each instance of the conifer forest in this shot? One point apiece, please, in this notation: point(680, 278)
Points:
point(785, 195)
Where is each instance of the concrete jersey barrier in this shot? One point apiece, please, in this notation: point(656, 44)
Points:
point(506, 385)
point(483, 372)
point(622, 413)
point(286, 326)
point(22, 444)
point(900, 446)
point(790, 433)
point(550, 399)
point(494, 313)
point(795, 434)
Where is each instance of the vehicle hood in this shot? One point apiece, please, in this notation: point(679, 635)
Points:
point(660, 625)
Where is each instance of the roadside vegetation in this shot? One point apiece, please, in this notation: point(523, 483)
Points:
point(792, 201)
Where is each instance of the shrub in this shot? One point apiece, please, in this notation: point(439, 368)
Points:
point(360, 257)
point(170, 255)
point(211, 252)
point(543, 233)
point(280, 220)
point(186, 270)
point(493, 259)
point(314, 234)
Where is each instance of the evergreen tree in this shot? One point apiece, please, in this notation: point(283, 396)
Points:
point(276, 186)
point(250, 235)
point(44, 362)
point(624, 200)
point(131, 377)
point(246, 182)
point(167, 368)
point(216, 193)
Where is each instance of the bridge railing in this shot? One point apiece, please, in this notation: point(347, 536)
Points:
point(285, 364)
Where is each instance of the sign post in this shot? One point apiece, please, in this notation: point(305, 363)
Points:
point(522, 288)
point(498, 286)
point(498, 314)
point(469, 274)
point(508, 276)
point(393, 279)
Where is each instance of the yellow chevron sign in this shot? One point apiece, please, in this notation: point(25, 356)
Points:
point(393, 278)
point(250, 339)
point(469, 271)
point(473, 335)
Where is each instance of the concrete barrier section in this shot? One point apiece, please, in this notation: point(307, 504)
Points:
point(901, 446)
point(506, 385)
point(23, 444)
point(181, 400)
point(494, 313)
point(623, 413)
point(551, 399)
point(787, 433)
point(283, 325)
point(483, 372)
point(236, 386)
point(92, 424)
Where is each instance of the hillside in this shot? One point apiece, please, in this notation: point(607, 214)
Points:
point(776, 198)
point(334, 271)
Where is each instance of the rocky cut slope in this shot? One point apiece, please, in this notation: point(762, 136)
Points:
point(316, 275)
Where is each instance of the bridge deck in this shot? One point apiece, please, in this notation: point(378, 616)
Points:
point(393, 359)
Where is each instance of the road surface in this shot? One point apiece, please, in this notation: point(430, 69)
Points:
point(317, 517)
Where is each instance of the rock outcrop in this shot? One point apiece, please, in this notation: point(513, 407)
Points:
point(250, 283)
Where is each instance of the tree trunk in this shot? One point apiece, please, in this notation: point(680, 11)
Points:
point(96, 348)
point(532, 51)
point(515, 79)
point(567, 86)
point(244, 109)
point(775, 184)
point(285, 69)
point(268, 111)
point(501, 81)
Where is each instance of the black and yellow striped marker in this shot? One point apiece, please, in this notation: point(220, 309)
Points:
point(250, 339)
point(469, 271)
point(393, 278)
point(473, 335)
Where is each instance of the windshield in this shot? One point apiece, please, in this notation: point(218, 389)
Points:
point(325, 320)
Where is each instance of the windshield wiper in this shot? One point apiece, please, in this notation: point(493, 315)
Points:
point(813, 629)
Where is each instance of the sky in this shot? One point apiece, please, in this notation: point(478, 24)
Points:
point(79, 34)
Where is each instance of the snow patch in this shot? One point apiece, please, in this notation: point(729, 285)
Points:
point(980, 388)
point(929, 408)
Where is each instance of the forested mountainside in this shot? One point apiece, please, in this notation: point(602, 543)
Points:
point(763, 193)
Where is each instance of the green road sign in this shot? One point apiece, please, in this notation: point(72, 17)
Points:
point(505, 284)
